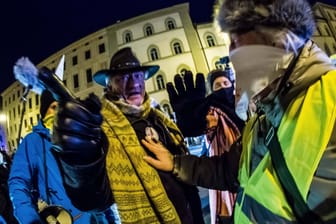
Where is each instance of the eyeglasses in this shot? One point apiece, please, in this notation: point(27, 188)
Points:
point(136, 76)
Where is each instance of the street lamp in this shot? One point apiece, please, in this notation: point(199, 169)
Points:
point(3, 126)
point(3, 118)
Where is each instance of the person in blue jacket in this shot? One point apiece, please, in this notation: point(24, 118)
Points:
point(35, 180)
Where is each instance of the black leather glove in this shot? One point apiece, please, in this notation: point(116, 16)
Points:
point(80, 147)
point(77, 135)
point(188, 102)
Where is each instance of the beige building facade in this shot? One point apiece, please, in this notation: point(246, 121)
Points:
point(165, 37)
point(325, 35)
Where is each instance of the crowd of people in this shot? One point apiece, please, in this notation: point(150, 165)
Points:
point(119, 159)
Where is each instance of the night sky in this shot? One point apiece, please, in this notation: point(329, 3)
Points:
point(39, 28)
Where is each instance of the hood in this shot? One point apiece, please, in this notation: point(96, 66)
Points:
point(310, 66)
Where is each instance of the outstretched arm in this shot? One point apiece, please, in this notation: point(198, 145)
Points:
point(164, 159)
point(217, 172)
point(80, 146)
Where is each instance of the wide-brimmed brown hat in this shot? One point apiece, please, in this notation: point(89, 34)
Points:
point(124, 61)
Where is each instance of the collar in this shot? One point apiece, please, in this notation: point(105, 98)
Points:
point(132, 110)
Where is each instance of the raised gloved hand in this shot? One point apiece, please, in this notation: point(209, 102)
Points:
point(80, 146)
point(188, 102)
point(77, 135)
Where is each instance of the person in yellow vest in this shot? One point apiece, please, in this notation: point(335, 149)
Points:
point(284, 168)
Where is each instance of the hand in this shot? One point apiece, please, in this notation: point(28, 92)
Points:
point(164, 159)
point(188, 103)
point(77, 135)
point(80, 146)
point(212, 118)
point(224, 100)
point(185, 91)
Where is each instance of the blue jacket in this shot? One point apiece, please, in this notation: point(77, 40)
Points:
point(27, 179)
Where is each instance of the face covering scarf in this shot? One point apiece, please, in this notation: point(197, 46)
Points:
point(255, 66)
point(224, 96)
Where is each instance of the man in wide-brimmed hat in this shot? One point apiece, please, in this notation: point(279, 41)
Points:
point(142, 193)
point(286, 170)
point(125, 79)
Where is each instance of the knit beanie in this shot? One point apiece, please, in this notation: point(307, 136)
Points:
point(245, 15)
point(45, 100)
point(214, 74)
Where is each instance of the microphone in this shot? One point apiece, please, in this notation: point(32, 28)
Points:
point(25, 93)
point(38, 80)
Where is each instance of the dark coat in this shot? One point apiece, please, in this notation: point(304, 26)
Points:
point(6, 208)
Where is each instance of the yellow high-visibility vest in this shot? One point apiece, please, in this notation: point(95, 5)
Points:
point(304, 133)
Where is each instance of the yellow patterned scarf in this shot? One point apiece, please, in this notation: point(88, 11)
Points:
point(136, 186)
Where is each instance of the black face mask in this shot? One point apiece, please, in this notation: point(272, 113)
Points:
point(225, 100)
point(223, 97)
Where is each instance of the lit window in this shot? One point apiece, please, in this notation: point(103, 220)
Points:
point(127, 37)
point(89, 75)
point(170, 25)
point(154, 54)
point(75, 81)
point(87, 54)
point(148, 31)
point(74, 60)
point(101, 48)
point(160, 82)
point(177, 48)
point(210, 41)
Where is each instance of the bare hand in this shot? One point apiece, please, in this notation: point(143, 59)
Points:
point(212, 118)
point(164, 159)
